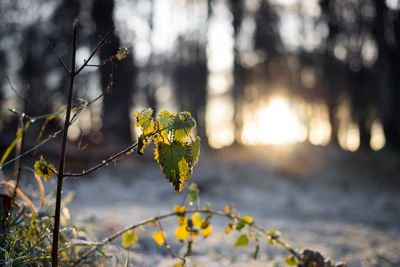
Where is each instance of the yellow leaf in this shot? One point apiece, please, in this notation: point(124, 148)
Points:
point(181, 233)
point(228, 229)
point(179, 209)
point(206, 231)
point(197, 220)
point(122, 53)
point(129, 238)
point(159, 238)
point(178, 264)
point(43, 169)
point(227, 209)
point(248, 219)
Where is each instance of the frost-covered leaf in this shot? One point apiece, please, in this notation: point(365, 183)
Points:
point(193, 151)
point(129, 238)
point(242, 241)
point(172, 161)
point(174, 126)
point(165, 120)
point(182, 125)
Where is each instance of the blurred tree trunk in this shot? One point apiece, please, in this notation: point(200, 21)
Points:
point(117, 102)
point(329, 73)
point(361, 102)
point(236, 7)
point(385, 82)
point(150, 86)
point(33, 71)
point(190, 81)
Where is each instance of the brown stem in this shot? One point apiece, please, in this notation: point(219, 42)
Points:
point(98, 46)
point(103, 163)
point(72, 74)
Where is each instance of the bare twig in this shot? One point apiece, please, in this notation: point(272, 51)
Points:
point(98, 46)
point(168, 246)
point(50, 137)
point(59, 57)
point(103, 163)
point(12, 87)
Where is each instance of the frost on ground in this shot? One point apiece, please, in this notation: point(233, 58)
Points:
point(346, 205)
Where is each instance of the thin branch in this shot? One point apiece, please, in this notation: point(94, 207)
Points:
point(59, 57)
point(50, 137)
point(95, 65)
point(12, 87)
point(98, 46)
point(103, 163)
point(168, 246)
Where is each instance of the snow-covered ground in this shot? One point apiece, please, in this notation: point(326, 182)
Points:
point(346, 205)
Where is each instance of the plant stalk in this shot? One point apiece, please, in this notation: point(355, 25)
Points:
point(72, 75)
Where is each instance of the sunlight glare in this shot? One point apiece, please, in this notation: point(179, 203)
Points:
point(378, 139)
point(219, 118)
point(320, 128)
point(278, 124)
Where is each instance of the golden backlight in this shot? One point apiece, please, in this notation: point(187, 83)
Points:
point(274, 123)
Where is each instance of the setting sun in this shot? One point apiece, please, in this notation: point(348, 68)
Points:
point(273, 123)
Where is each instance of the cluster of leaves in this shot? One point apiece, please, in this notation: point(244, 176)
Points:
point(192, 223)
point(175, 150)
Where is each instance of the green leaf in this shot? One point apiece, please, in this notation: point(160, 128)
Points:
point(182, 125)
point(241, 224)
point(193, 152)
point(145, 121)
point(173, 164)
point(291, 260)
point(129, 238)
point(242, 241)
